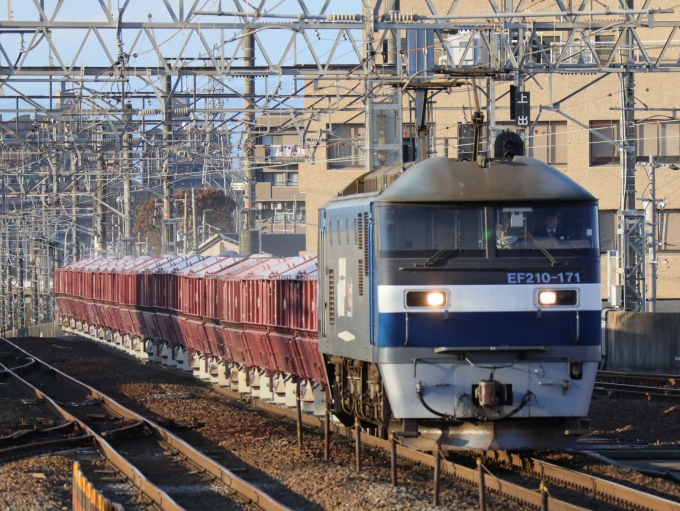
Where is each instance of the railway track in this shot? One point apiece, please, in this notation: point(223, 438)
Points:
point(583, 491)
point(651, 387)
point(598, 488)
point(167, 471)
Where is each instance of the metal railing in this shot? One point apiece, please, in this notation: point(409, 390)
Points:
point(86, 497)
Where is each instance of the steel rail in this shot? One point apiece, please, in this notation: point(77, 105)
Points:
point(23, 451)
point(228, 478)
point(606, 490)
point(542, 469)
point(467, 474)
point(611, 376)
point(609, 490)
point(660, 394)
point(136, 478)
point(28, 433)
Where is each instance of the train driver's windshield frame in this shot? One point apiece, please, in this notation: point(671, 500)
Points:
point(432, 233)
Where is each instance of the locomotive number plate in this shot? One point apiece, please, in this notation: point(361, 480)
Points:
point(566, 277)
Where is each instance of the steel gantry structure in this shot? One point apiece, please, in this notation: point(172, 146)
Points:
point(104, 100)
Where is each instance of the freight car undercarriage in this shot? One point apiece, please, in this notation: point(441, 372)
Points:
point(358, 392)
point(279, 388)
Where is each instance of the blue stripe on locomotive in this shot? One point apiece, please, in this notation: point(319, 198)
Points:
point(433, 329)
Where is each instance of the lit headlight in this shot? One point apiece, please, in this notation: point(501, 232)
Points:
point(436, 299)
point(430, 299)
point(547, 297)
point(557, 297)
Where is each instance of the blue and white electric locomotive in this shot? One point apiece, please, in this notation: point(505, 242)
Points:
point(460, 304)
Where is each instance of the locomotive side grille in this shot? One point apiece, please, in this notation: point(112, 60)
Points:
point(360, 232)
point(365, 236)
point(361, 277)
point(331, 296)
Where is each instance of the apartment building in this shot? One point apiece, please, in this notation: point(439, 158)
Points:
point(570, 146)
point(276, 156)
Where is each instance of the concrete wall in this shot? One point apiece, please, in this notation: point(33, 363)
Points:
point(42, 330)
point(643, 342)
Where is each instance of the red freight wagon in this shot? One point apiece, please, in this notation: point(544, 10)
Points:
point(149, 326)
point(218, 344)
point(239, 347)
point(266, 306)
point(260, 350)
point(284, 353)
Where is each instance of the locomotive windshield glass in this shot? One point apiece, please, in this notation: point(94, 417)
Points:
point(449, 232)
point(422, 231)
point(560, 229)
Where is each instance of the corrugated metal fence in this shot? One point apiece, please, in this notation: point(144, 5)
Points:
point(643, 342)
point(86, 498)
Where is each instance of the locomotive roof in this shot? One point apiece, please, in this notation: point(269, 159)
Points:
point(450, 180)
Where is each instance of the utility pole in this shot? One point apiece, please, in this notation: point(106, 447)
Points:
point(203, 226)
point(74, 205)
point(4, 280)
point(185, 226)
point(651, 207)
point(8, 278)
point(194, 221)
point(33, 279)
point(249, 240)
point(21, 264)
point(101, 196)
point(630, 225)
point(168, 236)
point(128, 223)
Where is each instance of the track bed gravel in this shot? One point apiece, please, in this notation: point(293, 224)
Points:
point(258, 446)
point(45, 482)
point(633, 420)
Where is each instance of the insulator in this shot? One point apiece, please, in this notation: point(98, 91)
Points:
point(181, 111)
point(401, 17)
point(343, 16)
point(150, 111)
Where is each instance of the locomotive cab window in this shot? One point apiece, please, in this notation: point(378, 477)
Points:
point(512, 230)
point(558, 228)
point(412, 231)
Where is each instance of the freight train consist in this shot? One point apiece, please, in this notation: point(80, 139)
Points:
point(452, 303)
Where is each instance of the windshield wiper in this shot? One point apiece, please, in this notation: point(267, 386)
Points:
point(440, 253)
point(540, 247)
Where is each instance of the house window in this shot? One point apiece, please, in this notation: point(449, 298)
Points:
point(548, 142)
point(660, 139)
point(271, 140)
point(607, 224)
point(669, 230)
point(601, 151)
point(345, 147)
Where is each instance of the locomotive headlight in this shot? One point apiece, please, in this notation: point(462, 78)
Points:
point(556, 297)
point(429, 299)
point(436, 299)
point(547, 297)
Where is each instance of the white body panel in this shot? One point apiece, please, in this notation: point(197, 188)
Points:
point(491, 298)
point(447, 388)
